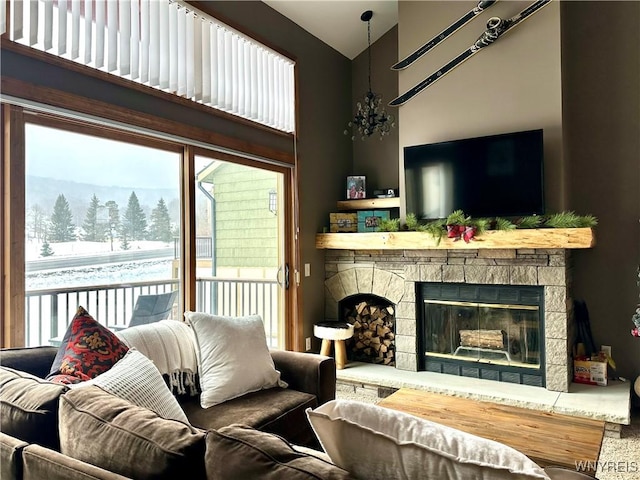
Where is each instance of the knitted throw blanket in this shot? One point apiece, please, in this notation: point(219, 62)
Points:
point(169, 344)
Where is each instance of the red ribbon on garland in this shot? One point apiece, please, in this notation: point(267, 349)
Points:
point(457, 232)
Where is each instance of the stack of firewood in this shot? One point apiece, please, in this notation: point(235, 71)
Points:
point(373, 335)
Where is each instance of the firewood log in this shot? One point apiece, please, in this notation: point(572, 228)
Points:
point(382, 331)
point(482, 339)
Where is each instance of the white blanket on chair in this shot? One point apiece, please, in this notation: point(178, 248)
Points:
point(170, 345)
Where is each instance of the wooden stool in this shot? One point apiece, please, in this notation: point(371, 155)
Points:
point(337, 332)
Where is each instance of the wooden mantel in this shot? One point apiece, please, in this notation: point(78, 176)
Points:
point(565, 238)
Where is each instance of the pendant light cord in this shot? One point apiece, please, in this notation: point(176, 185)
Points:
point(369, 50)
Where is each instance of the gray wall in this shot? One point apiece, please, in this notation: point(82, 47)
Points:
point(512, 85)
point(574, 70)
point(377, 159)
point(601, 123)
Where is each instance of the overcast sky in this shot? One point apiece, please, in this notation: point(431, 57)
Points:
point(71, 156)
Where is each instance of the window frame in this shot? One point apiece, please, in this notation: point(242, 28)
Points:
point(14, 117)
point(52, 59)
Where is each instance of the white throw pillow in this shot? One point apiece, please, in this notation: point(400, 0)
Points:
point(136, 379)
point(372, 442)
point(233, 357)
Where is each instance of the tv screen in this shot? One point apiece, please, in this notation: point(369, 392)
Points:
point(498, 175)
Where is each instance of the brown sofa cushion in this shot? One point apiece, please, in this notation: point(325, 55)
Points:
point(275, 410)
point(29, 407)
point(113, 434)
point(40, 463)
point(241, 452)
point(11, 456)
point(34, 360)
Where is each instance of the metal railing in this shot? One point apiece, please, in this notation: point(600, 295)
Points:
point(49, 311)
point(204, 247)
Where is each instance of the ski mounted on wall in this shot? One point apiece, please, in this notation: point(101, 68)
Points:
point(496, 27)
point(466, 18)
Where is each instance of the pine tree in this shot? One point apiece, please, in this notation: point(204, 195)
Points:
point(124, 243)
point(46, 251)
point(134, 223)
point(113, 222)
point(36, 222)
point(94, 230)
point(160, 228)
point(62, 226)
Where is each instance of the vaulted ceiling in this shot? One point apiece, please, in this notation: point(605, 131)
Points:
point(337, 22)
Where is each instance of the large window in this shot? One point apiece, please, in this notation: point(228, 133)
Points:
point(165, 44)
point(100, 217)
point(102, 227)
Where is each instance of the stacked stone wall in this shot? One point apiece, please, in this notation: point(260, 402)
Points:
point(393, 274)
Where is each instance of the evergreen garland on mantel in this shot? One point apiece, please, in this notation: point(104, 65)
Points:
point(460, 226)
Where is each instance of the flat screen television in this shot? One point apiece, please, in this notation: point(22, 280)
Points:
point(498, 175)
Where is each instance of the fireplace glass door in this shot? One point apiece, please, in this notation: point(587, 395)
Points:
point(483, 332)
point(494, 332)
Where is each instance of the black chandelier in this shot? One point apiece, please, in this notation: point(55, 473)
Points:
point(371, 117)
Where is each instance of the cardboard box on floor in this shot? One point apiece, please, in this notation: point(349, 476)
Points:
point(590, 371)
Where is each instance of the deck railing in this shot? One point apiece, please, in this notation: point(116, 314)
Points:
point(49, 311)
point(204, 247)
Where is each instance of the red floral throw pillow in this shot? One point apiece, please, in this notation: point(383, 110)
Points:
point(87, 350)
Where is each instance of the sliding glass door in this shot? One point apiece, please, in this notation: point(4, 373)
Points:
point(110, 216)
point(241, 268)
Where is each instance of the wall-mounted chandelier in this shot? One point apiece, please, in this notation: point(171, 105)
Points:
point(370, 117)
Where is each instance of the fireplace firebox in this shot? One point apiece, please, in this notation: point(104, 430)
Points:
point(373, 320)
point(493, 332)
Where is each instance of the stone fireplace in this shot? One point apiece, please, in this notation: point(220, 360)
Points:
point(397, 275)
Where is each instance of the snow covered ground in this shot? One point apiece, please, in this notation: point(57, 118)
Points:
point(33, 248)
point(98, 274)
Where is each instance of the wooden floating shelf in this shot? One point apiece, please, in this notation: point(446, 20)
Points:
point(369, 203)
point(557, 238)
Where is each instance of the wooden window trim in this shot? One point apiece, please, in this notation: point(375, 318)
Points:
point(188, 230)
point(109, 133)
point(13, 227)
point(59, 99)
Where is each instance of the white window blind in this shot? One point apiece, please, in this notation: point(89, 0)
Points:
point(165, 44)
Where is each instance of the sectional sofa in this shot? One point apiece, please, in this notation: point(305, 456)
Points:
point(112, 432)
point(208, 400)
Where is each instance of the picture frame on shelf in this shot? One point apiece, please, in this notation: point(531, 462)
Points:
point(369, 220)
point(343, 222)
point(356, 187)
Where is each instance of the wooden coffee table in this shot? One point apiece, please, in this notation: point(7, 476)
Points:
point(546, 438)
